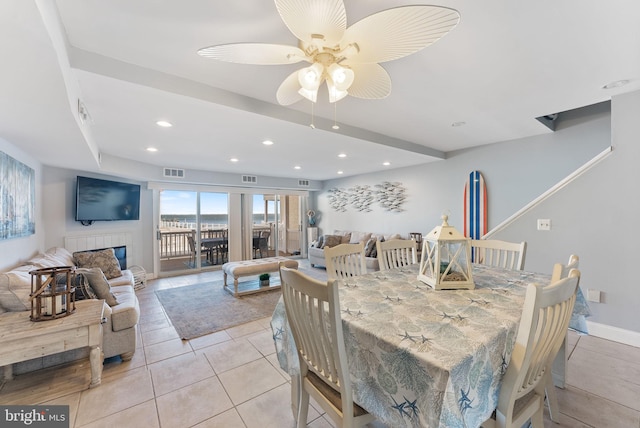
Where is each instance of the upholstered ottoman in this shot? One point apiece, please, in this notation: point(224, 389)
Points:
point(254, 267)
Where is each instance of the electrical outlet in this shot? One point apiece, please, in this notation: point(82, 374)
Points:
point(544, 224)
point(594, 295)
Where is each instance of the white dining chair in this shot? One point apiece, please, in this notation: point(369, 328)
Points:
point(313, 313)
point(545, 319)
point(396, 253)
point(345, 260)
point(492, 252)
point(559, 364)
point(562, 271)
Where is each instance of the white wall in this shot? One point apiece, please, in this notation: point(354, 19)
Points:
point(59, 220)
point(516, 172)
point(15, 250)
point(593, 216)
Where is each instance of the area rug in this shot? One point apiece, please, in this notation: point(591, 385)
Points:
point(199, 309)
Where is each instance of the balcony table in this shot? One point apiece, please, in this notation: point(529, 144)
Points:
point(215, 245)
point(420, 357)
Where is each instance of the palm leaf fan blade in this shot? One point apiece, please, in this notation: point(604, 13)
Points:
point(396, 33)
point(306, 18)
point(371, 82)
point(288, 91)
point(254, 53)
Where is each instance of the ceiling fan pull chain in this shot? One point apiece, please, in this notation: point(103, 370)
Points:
point(312, 118)
point(335, 115)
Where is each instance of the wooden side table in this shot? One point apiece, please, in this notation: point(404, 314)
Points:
point(22, 339)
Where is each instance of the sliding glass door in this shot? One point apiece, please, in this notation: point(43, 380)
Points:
point(192, 232)
point(277, 225)
point(203, 227)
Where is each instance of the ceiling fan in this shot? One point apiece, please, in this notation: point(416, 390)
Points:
point(346, 58)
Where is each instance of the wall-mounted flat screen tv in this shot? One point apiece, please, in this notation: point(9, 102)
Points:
point(104, 200)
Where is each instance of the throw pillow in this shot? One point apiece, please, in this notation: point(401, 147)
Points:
point(370, 246)
point(332, 240)
point(345, 238)
point(358, 237)
point(320, 242)
point(60, 256)
point(104, 259)
point(99, 284)
point(83, 288)
point(374, 252)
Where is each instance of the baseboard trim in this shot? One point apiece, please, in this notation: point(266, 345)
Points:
point(616, 334)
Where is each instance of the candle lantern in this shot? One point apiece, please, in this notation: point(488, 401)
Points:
point(445, 262)
point(52, 295)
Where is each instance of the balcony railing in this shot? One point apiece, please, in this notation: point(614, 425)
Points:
point(174, 237)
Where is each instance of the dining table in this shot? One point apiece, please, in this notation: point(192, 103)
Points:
point(420, 357)
point(215, 246)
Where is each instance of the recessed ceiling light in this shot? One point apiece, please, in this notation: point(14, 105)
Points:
point(152, 149)
point(456, 124)
point(233, 160)
point(339, 172)
point(615, 84)
point(386, 163)
point(342, 155)
point(267, 142)
point(164, 124)
point(297, 167)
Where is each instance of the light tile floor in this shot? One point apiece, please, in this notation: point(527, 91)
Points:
point(232, 379)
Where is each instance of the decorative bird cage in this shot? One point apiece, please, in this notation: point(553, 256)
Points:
point(445, 262)
point(52, 295)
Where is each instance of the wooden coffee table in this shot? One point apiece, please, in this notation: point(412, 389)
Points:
point(22, 339)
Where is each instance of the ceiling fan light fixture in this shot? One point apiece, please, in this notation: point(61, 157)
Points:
point(335, 94)
point(336, 52)
point(310, 95)
point(311, 77)
point(342, 77)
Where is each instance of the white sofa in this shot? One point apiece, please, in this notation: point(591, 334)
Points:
point(120, 329)
point(316, 248)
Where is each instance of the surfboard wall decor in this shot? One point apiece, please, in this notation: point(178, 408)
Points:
point(475, 206)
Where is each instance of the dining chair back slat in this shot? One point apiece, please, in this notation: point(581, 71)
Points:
point(313, 312)
point(396, 253)
point(345, 261)
point(545, 319)
point(493, 252)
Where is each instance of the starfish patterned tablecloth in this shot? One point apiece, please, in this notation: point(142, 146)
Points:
point(425, 358)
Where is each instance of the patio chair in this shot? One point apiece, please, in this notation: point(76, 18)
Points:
point(313, 313)
point(193, 253)
point(261, 243)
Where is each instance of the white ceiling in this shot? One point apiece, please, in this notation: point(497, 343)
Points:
point(135, 62)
